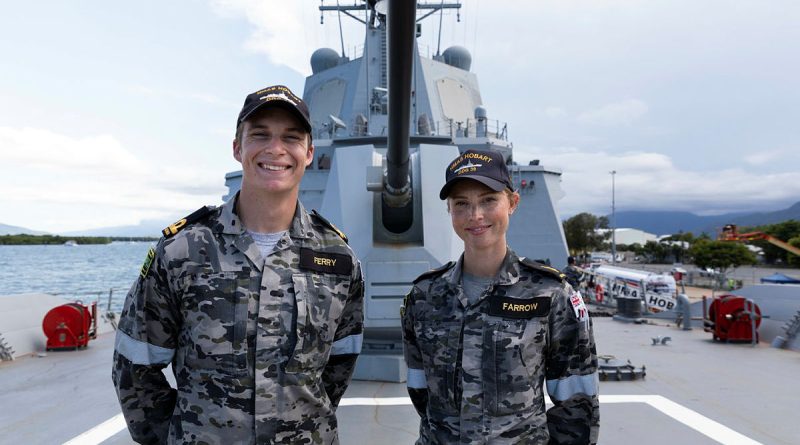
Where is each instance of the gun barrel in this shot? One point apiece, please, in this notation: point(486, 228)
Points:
point(401, 29)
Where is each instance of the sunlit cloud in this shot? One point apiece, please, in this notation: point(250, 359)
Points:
point(769, 156)
point(90, 181)
point(651, 181)
point(276, 27)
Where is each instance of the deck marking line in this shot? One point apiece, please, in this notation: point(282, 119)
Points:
point(100, 433)
point(682, 414)
point(380, 401)
point(699, 422)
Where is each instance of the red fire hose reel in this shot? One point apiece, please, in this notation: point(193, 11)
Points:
point(70, 326)
point(733, 318)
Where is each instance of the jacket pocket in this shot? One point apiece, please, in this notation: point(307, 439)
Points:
point(517, 365)
point(439, 343)
point(215, 321)
point(319, 301)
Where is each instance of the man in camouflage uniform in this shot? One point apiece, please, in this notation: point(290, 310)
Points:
point(257, 305)
point(477, 361)
point(572, 273)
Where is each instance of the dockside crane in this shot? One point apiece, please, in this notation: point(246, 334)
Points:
point(730, 233)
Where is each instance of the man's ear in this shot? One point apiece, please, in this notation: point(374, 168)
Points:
point(310, 155)
point(237, 150)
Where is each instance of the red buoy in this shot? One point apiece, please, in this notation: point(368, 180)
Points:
point(70, 326)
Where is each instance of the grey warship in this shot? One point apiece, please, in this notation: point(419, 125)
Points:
point(385, 126)
point(696, 391)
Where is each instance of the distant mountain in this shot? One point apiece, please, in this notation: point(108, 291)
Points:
point(151, 228)
point(666, 223)
point(757, 219)
point(16, 230)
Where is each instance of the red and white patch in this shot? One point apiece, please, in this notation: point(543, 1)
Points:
point(581, 312)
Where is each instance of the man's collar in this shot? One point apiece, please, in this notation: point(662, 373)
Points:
point(231, 224)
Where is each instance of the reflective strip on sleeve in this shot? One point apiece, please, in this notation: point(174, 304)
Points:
point(348, 345)
point(563, 389)
point(416, 379)
point(142, 353)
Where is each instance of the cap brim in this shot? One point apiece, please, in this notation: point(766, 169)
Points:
point(280, 104)
point(488, 182)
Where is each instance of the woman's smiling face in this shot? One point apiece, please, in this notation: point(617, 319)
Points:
point(480, 215)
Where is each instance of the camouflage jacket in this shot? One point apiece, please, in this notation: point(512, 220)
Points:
point(262, 349)
point(573, 275)
point(475, 372)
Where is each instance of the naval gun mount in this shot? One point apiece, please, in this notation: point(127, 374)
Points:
point(385, 127)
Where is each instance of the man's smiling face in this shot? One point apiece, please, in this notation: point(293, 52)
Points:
point(274, 150)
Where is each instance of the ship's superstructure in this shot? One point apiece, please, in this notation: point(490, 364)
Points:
point(385, 126)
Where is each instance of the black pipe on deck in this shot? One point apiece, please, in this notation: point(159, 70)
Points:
point(401, 34)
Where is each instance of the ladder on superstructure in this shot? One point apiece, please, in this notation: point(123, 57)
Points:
point(791, 330)
point(6, 352)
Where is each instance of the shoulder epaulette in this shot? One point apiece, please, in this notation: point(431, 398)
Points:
point(434, 272)
point(195, 216)
point(329, 225)
point(547, 270)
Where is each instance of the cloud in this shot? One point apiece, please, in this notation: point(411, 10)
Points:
point(277, 25)
point(619, 113)
point(767, 157)
point(71, 183)
point(206, 98)
point(652, 181)
point(35, 147)
point(555, 112)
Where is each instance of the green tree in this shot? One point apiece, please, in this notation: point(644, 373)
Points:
point(581, 232)
point(681, 236)
point(675, 245)
point(637, 249)
point(655, 252)
point(794, 260)
point(720, 255)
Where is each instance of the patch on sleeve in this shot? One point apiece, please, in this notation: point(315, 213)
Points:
point(406, 300)
point(523, 308)
point(581, 312)
point(148, 261)
point(326, 262)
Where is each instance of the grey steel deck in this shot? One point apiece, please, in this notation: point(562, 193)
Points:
point(694, 389)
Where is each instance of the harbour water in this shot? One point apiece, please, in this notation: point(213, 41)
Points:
point(83, 272)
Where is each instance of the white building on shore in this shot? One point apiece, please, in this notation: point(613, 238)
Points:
point(630, 236)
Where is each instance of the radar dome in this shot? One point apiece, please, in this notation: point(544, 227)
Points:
point(480, 112)
point(458, 56)
point(323, 59)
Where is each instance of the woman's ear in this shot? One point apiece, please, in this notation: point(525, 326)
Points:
point(514, 199)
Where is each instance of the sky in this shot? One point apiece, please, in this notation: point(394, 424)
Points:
point(113, 113)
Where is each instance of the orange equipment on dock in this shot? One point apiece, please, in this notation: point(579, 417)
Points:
point(731, 233)
point(70, 326)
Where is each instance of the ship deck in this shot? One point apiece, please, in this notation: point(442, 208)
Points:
point(696, 391)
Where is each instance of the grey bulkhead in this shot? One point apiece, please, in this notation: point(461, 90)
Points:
point(348, 112)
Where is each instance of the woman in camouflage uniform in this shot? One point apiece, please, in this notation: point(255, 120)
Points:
point(483, 336)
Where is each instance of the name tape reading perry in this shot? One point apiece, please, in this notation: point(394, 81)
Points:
point(519, 307)
point(325, 262)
